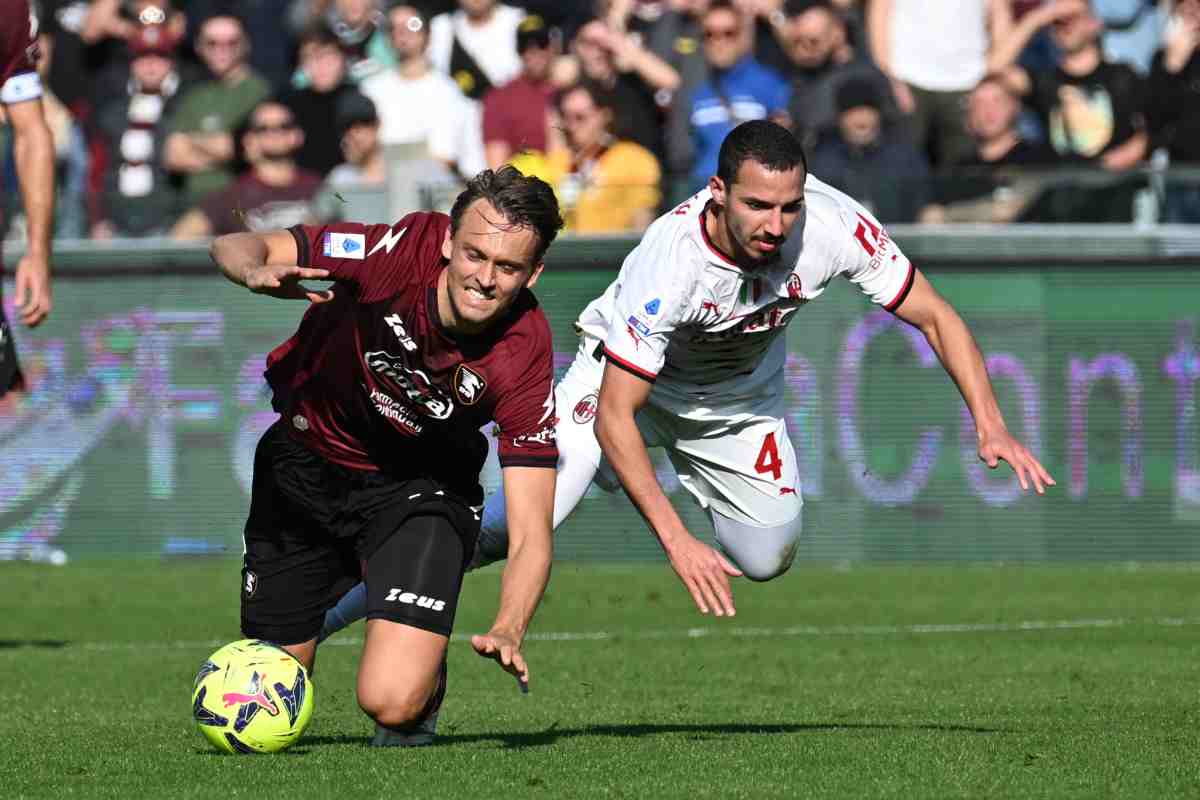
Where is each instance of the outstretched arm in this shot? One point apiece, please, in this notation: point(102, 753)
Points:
point(265, 263)
point(529, 497)
point(950, 338)
point(703, 570)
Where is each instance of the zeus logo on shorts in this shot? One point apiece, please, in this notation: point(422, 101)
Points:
point(413, 599)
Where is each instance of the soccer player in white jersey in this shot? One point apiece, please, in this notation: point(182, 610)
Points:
point(685, 350)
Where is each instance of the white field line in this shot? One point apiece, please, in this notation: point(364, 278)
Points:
point(744, 633)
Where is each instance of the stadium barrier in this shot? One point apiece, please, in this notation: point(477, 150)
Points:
point(147, 401)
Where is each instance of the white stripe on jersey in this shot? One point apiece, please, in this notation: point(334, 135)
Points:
point(712, 333)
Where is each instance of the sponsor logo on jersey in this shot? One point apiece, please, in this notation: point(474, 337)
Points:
point(429, 398)
point(395, 595)
point(344, 245)
point(397, 325)
point(469, 385)
point(793, 286)
point(388, 241)
point(765, 320)
point(585, 409)
point(390, 408)
point(652, 307)
point(543, 436)
point(639, 326)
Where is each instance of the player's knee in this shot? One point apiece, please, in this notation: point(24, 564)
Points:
point(764, 569)
point(394, 707)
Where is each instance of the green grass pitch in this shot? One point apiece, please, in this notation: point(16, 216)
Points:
point(873, 682)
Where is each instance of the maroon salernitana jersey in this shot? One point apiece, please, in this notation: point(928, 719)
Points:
point(373, 381)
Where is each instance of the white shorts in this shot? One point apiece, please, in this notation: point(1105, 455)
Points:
point(741, 466)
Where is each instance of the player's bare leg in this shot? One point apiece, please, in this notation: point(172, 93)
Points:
point(305, 653)
point(401, 681)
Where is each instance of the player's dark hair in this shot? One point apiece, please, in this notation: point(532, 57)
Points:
point(762, 141)
point(525, 202)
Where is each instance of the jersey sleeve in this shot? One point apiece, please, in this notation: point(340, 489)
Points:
point(872, 260)
point(373, 260)
point(525, 410)
point(19, 80)
point(653, 302)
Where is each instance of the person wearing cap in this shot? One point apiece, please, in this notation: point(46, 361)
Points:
point(357, 126)
point(516, 116)
point(823, 57)
point(137, 196)
point(875, 161)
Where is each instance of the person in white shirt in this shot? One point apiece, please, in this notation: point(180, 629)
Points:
point(418, 104)
point(685, 350)
point(476, 45)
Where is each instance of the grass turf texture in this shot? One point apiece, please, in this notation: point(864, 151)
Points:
point(97, 662)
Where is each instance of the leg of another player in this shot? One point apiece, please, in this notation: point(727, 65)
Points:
point(305, 653)
point(761, 553)
point(400, 677)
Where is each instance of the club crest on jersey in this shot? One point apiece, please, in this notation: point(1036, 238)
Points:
point(652, 307)
point(793, 286)
point(344, 245)
point(469, 385)
point(585, 409)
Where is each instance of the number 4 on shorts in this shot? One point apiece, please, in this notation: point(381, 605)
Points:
point(768, 458)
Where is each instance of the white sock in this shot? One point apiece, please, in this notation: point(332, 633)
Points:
point(350, 609)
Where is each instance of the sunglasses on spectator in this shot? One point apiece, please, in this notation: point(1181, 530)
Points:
point(221, 44)
point(727, 34)
point(282, 127)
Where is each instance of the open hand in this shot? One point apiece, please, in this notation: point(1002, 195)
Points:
point(705, 573)
point(505, 649)
point(284, 282)
point(998, 446)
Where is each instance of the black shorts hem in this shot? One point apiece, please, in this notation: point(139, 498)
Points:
point(281, 635)
point(407, 619)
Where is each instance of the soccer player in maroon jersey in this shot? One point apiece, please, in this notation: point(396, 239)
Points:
point(428, 333)
point(21, 99)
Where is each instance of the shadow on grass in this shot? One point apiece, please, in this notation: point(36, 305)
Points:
point(698, 732)
point(42, 644)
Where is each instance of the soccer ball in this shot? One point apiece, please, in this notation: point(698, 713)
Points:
point(252, 697)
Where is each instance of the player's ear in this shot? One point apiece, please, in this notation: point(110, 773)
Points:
point(717, 187)
point(537, 273)
point(447, 248)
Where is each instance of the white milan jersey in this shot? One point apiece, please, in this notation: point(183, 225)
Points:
point(710, 334)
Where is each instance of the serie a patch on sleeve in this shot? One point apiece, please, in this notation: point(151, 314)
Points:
point(344, 245)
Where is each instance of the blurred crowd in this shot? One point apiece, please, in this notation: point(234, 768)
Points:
point(189, 118)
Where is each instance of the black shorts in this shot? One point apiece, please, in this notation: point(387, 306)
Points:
point(10, 369)
point(317, 528)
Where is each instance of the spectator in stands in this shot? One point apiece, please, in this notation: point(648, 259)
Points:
point(823, 58)
point(603, 184)
point(618, 63)
point(200, 144)
point(1089, 107)
point(357, 124)
point(935, 51)
point(1133, 30)
point(1174, 107)
point(738, 88)
point(988, 186)
point(676, 38)
point(137, 196)
point(359, 27)
point(324, 65)
point(274, 193)
point(873, 162)
point(476, 45)
point(418, 105)
point(516, 116)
